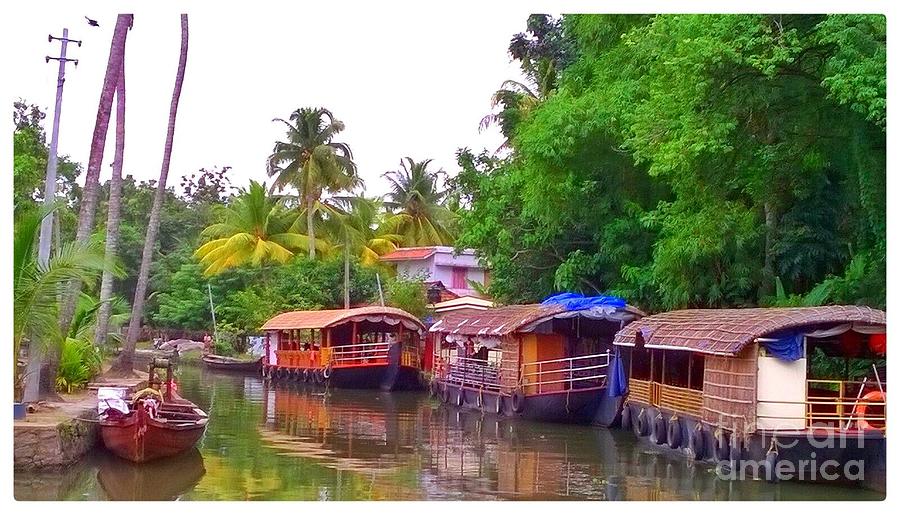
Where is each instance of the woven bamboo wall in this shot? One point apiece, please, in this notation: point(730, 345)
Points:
point(509, 365)
point(729, 390)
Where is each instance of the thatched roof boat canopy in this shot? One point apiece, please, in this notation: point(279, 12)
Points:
point(325, 318)
point(522, 318)
point(727, 331)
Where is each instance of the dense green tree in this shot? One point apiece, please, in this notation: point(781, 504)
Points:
point(690, 160)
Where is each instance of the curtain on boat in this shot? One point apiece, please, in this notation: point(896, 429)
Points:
point(618, 383)
point(786, 346)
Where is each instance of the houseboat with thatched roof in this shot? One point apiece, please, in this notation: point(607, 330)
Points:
point(551, 361)
point(368, 347)
point(779, 393)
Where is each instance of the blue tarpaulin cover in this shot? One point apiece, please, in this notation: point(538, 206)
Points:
point(577, 301)
point(786, 346)
point(618, 383)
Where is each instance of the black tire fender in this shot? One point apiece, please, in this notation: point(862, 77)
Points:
point(772, 466)
point(460, 397)
point(479, 399)
point(673, 433)
point(518, 401)
point(626, 417)
point(445, 394)
point(498, 409)
point(723, 450)
point(640, 424)
point(737, 448)
point(697, 443)
point(326, 373)
point(659, 429)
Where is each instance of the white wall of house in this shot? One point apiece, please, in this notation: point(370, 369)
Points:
point(443, 266)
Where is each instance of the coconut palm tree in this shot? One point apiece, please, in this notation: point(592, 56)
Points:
point(114, 213)
point(126, 358)
point(353, 225)
point(311, 162)
point(37, 288)
point(91, 188)
point(416, 210)
point(255, 229)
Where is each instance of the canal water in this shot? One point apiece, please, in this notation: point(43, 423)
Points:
point(296, 443)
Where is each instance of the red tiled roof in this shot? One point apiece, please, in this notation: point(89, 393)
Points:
point(330, 317)
point(409, 254)
point(727, 331)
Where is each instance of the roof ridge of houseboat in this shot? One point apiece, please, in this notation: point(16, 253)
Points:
point(727, 331)
point(321, 318)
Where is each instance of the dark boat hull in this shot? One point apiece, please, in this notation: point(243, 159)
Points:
point(217, 363)
point(375, 377)
point(141, 438)
point(588, 406)
point(836, 453)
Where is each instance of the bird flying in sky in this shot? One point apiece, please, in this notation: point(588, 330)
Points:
point(92, 23)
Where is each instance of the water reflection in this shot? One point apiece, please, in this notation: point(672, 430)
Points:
point(160, 480)
point(294, 443)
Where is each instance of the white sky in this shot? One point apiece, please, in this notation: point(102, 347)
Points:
point(405, 82)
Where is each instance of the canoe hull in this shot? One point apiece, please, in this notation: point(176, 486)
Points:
point(141, 438)
point(217, 363)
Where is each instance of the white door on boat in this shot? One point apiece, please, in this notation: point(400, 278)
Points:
point(780, 393)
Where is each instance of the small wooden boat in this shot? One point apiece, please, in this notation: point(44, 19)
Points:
point(158, 423)
point(226, 363)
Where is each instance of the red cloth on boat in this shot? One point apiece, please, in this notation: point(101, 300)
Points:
point(851, 344)
point(878, 343)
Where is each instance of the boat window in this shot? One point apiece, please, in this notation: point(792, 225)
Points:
point(677, 365)
point(640, 364)
point(698, 363)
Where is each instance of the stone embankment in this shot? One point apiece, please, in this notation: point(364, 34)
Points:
point(58, 434)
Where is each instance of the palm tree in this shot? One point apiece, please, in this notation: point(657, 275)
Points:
point(417, 212)
point(311, 162)
point(91, 188)
point(255, 229)
point(114, 214)
point(126, 358)
point(353, 224)
point(36, 288)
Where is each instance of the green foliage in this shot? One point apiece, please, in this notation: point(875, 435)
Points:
point(688, 160)
point(79, 361)
point(245, 297)
point(408, 294)
point(417, 213)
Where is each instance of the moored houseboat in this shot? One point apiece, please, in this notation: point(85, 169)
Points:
point(779, 393)
point(369, 347)
point(550, 361)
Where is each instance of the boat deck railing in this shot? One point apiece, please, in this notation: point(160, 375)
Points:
point(575, 373)
point(297, 358)
point(360, 354)
point(838, 405)
point(473, 372)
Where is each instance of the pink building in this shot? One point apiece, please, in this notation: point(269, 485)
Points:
point(439, 264)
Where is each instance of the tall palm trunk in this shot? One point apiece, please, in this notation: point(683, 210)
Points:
point(126, 360)
point(91, 188)
point(346, 273)
point(311, 231)
point(113, 217)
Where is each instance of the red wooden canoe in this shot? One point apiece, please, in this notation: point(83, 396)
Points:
point(140, 437)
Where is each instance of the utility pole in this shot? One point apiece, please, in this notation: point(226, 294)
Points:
point(35, 353)
point(50, 183)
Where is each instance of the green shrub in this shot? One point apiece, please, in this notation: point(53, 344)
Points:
point(79, 361)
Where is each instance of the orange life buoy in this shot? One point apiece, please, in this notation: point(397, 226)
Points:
point(862, 409)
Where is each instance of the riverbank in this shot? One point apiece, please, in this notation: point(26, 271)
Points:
point(57, 434)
